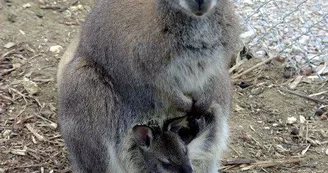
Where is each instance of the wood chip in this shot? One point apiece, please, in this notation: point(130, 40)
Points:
point(237, 162)
point(33, 131)
point(271, 163)
point(9, 45)
point(305, 150)
point(322, 71)
point(311, 141)
point(19, 152)
point(238, 108)
point(319, 93)
point(237, 65)
point(254, 67)
point(302, 119)
point(294, 84)
point(316, 100)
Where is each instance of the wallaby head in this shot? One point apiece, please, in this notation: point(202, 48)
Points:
point(195, 7)
point(163, 151)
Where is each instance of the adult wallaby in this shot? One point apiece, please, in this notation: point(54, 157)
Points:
point(142, 60)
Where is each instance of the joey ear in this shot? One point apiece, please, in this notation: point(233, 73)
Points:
point(143, 136)
point(176, 124)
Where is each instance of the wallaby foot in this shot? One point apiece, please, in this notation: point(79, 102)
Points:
point(207, 148)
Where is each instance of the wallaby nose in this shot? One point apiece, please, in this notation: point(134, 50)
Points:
point(200, 2)
point(186, 169)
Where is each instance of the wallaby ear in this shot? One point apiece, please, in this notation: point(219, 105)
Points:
point(176, 124)
point(143, 135)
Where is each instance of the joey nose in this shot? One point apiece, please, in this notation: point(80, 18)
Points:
point(199, 2)
point(186, 169)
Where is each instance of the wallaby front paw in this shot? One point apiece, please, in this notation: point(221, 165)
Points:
point(183, 103)
point(200, 108)
point(201, 103)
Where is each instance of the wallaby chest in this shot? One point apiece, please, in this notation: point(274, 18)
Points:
point(190, 72)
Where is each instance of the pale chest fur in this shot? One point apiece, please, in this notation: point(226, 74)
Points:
point(191, 74)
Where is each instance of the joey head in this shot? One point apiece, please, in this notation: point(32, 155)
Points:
point(163, 151)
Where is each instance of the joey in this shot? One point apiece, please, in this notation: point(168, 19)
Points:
point(163, 151)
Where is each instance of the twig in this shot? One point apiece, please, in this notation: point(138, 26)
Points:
point(43, 80)
point(33, 131)
point(316, 100)
point(254, 67)
point(35, 56)
point(54, 137)
point(324, 142)
point(21, 94)
point(37, 101)
point(51, 124)
point(264, 170)
point(307, 131)
point(18, 152)
point(250, 164)
point(48, 66)
point(271, 163)
point(6, 98)
point(322, 69)
point(26, 166)
point(6, 71)
point(319, 93)
point(294, 84)
point(237, 65)
point(306, 149)
point(235, 150)
point(20, 113)
point(50, 7)
point(237, 162)
point(7, 53)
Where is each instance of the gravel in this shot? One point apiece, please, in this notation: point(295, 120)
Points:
point(296, 30)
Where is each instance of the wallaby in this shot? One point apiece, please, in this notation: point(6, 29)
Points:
point(143, 60)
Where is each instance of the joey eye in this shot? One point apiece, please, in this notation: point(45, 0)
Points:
point(186, 151)
point(165, 163)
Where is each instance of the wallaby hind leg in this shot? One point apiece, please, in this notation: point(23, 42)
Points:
point(85, 107)
point(206, 149)
point(87, 157)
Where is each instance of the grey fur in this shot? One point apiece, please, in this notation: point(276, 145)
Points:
point(139, 60)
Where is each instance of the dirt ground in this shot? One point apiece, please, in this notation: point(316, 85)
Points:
point(33, 36)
